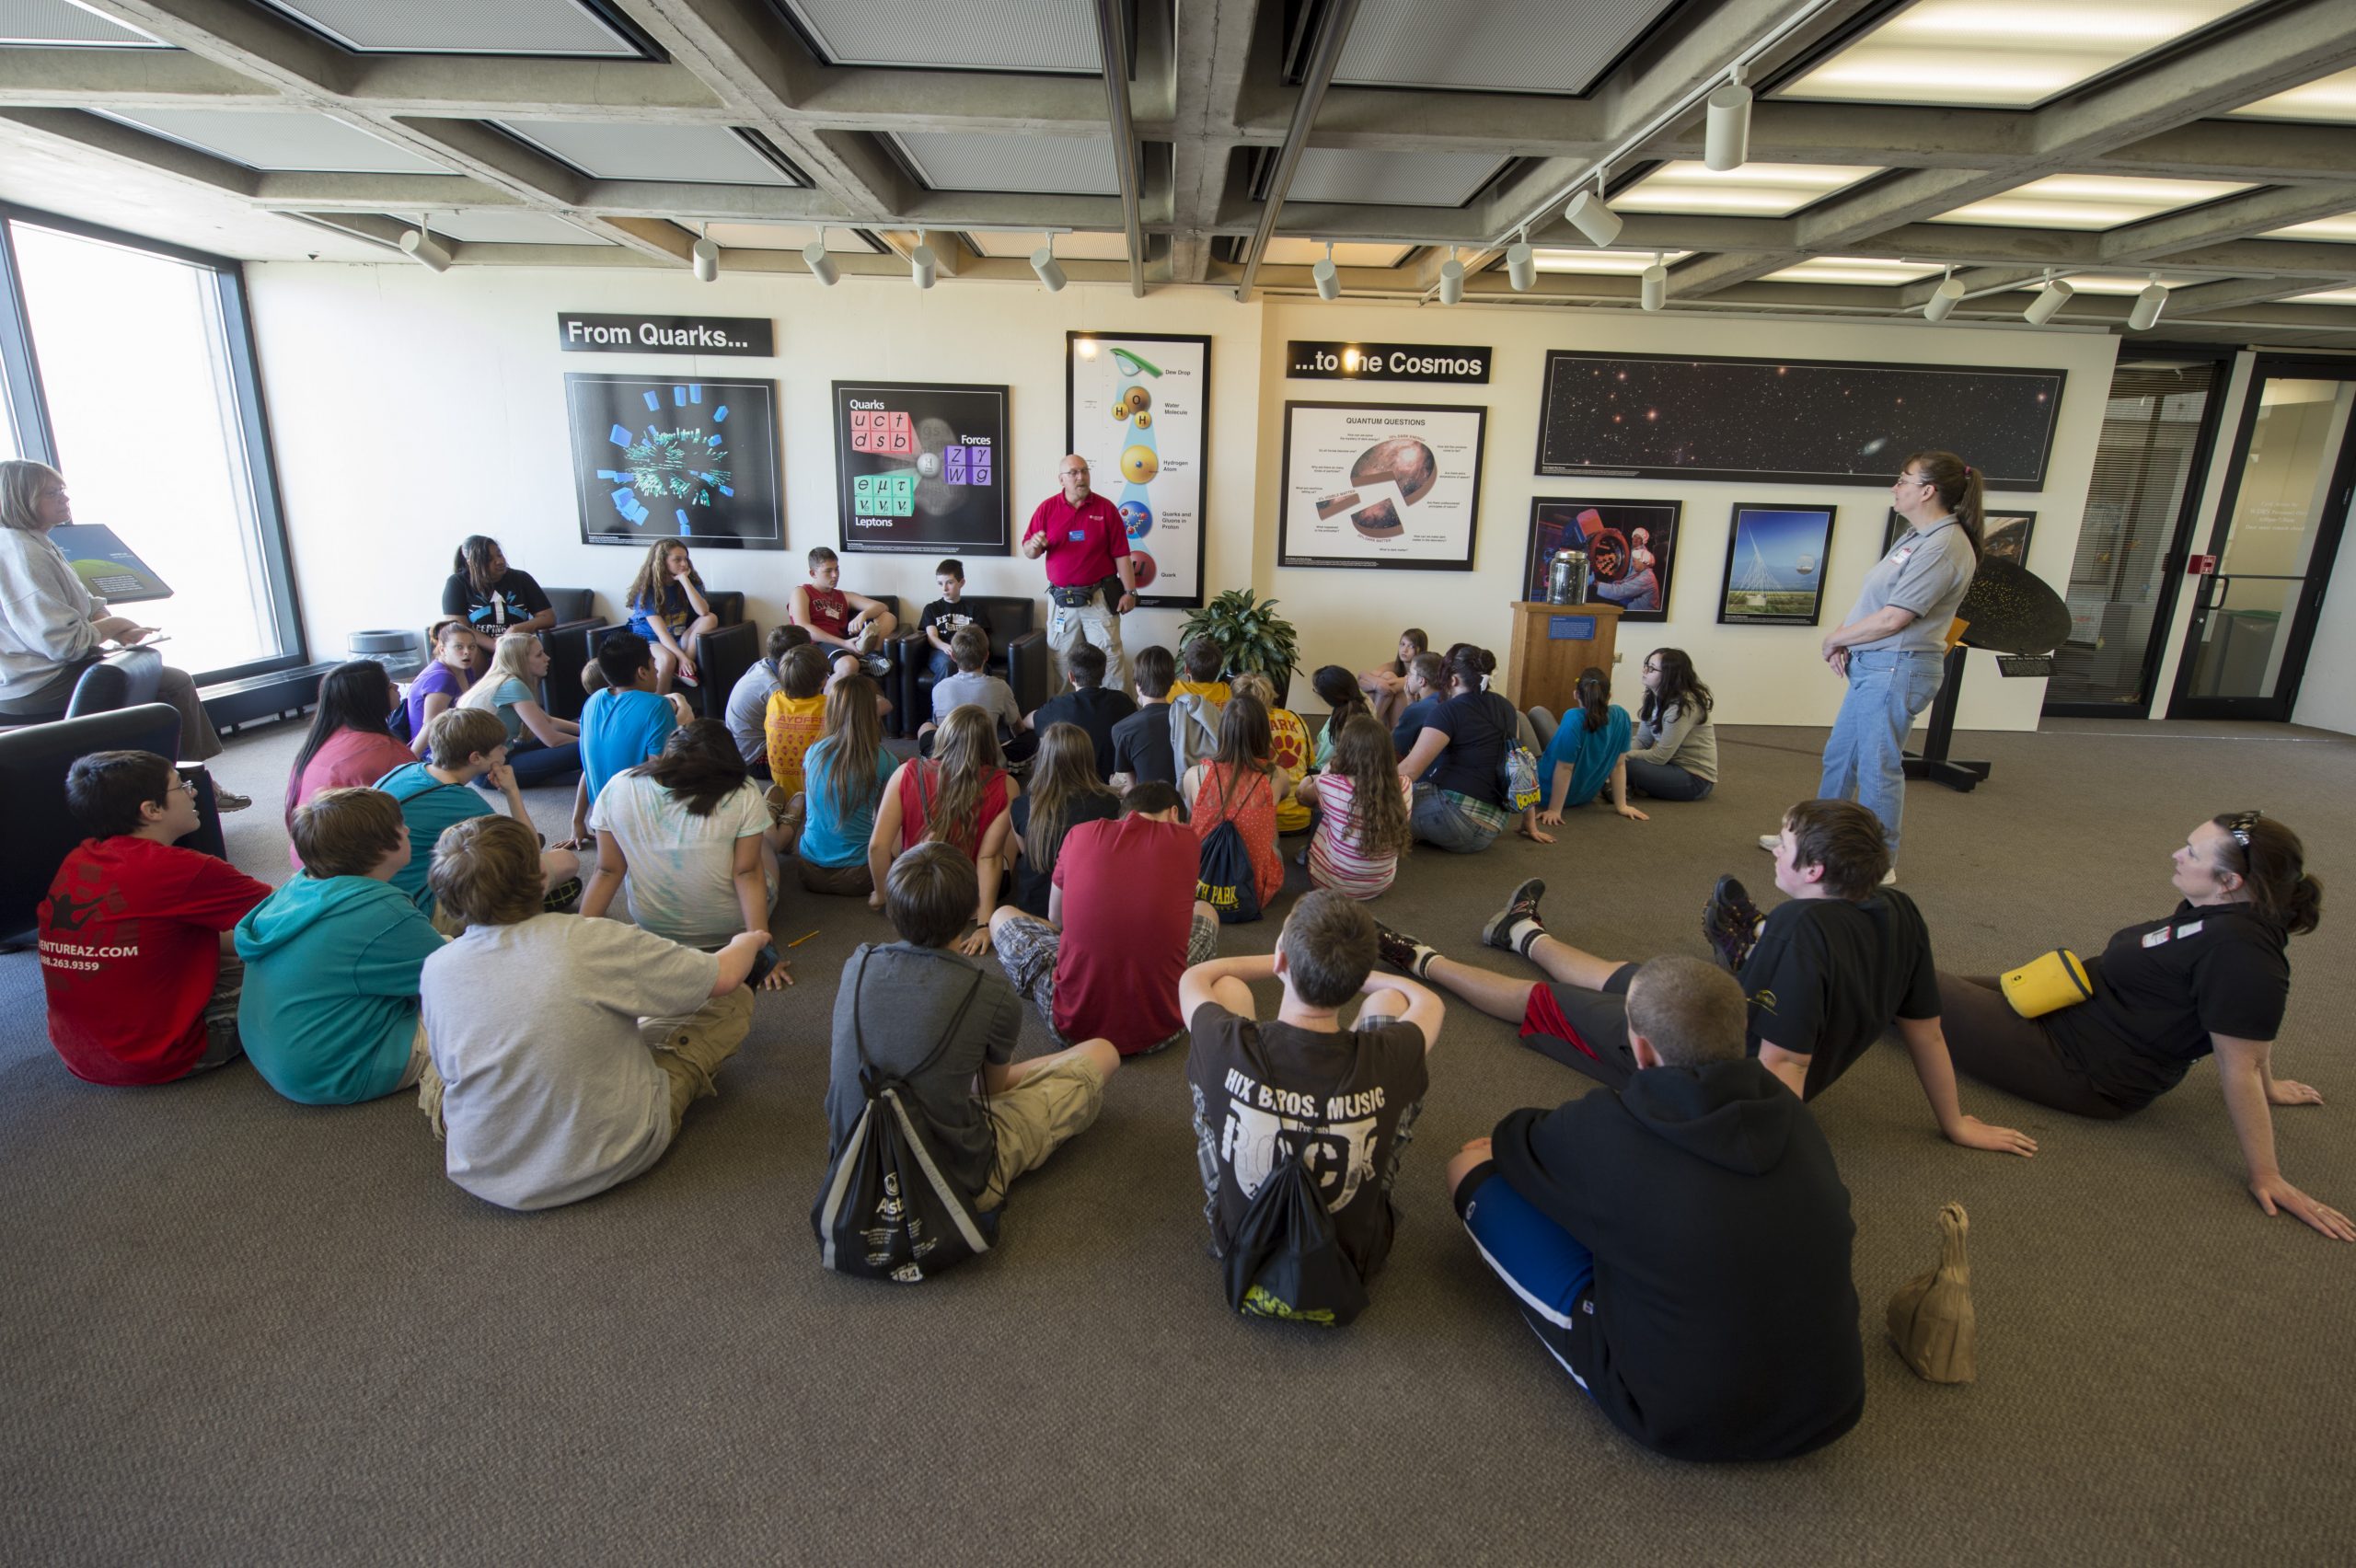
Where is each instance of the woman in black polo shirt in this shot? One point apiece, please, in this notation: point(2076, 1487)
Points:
point(1460, 802)
point(2213, 976)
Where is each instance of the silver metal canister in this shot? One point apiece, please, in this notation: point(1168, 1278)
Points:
point(1566, 577)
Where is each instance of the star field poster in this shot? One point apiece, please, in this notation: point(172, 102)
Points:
point(1631, 550)
point(1774, 573)
point(1791, 421)
point(920, 467)
point(671, 457)
point(1381, 485)
point(1136, 405)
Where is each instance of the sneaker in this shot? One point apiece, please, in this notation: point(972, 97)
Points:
point(1731, 923)
point(563, 898)
point(1522, 905)
point(871, 637)
point(686, 679)
point(1771, 842)
point(227, 800)
point(877, 665)
point(1890, 876)
point(1397, 948)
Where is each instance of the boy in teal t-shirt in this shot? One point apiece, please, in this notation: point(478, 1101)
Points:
point(330, 1015)
point(462, 746)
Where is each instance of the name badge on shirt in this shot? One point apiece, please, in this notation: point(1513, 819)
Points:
point(1903, 552)
point(1078, 536)
point(2193, 929)
point(2154, 939)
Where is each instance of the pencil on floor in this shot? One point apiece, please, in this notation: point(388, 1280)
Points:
point(800, 939)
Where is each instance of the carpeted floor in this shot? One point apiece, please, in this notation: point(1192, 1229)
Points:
point(241, 1331)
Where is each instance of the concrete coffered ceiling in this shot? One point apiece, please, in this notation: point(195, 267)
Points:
point(2210, 143)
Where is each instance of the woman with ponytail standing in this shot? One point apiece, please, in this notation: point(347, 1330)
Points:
point(1892, 646)
point(2211, 977)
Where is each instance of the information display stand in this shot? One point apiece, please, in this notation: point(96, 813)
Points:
point(1552, 643)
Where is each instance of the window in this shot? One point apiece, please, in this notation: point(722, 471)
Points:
point(139, 359)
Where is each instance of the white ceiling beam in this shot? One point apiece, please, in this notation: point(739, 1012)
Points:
point(2236, 217)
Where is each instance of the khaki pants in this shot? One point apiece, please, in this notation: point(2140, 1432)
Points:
point(1037, 1117)
point(688, 1047)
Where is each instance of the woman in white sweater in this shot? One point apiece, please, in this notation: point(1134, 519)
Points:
point(52, 628)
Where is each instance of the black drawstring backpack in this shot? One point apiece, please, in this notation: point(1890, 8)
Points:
point(1224, 878)
point(1287, 1259)
point(888, 1211)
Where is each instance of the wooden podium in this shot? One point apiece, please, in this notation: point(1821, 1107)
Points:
point(1552, 643)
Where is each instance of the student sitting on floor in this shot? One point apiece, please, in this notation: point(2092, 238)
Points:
point(1425, 687)
point(1362, 804)
point(973, 687)
point(1460, 804)
point(1242, 783)
point(1063, 791)
point(1288, 745)
point(749, 700)
point(565, 1051)
point(330, 1015)
point(1674, 755)
point(435, 795)
point(134, 933)
point(1121, 924)
point(1141, 750)
point(797, 716)
point(1344, 701)
point(1204, 658)
point(918, 1000)
point(1831, 971)
point(624, 722)
point(668, 609)
point(1584, 753)
point(1097, 712)
point(351, 741)
point(1346, 1100)
point(845, 775)
point(961, 795)
point(1681, 1244)
point(687, 831)
point(458, 662)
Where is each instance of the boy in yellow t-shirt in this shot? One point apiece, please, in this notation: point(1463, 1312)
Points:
point(1202, 658)
point(796, 716)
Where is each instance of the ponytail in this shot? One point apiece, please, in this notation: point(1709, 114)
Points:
point(1594, 694)
point(1960, 491)
point(2273, 867)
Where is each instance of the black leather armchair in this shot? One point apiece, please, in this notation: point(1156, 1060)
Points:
point(573, 643)
point(34, 761)
point(723, 657)
point(1019, 656)
point(120, 680)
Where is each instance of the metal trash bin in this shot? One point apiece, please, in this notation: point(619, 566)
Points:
point(401, 652)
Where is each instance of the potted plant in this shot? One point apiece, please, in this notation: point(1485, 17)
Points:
point(1251, 636)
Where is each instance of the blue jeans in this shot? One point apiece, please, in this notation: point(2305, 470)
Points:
point(535, 764)
point(1441, 823)
point(1549, 1272)
point(1666, 781)
point(1864, 758)
point(942, 666)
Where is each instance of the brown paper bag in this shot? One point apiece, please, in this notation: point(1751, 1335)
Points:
point(1930, 1318)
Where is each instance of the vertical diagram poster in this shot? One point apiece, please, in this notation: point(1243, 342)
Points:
point(1136, 404)
point(1375, 485)
point(920, 467)
point(662, 457)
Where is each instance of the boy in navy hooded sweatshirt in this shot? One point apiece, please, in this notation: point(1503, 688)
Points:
point(1681, 1244)
point(329, 1014)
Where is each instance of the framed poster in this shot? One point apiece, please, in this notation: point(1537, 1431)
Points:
point(1631, 549)
point(663, 457)
point(1775, 558)
point(920, 467)
point(1138, 406)
point(1381, 485)
point(1790, 421)
point(2004, 535)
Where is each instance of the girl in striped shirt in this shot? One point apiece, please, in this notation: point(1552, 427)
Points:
point(1362, 802)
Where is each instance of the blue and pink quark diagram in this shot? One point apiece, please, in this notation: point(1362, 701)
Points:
point(683, 466)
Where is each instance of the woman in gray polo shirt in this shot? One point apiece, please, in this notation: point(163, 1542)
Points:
point(1892, 646)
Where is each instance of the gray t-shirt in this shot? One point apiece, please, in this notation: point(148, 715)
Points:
point(748, 706)
point(1927, 571)
point(905, 1003)
point(987, 692)
point(550, 1095)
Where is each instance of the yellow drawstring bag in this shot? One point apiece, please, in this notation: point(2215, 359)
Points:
point(2047, 984)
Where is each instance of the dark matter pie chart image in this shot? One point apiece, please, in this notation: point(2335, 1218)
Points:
point(1380, 521)
point(1405, 462)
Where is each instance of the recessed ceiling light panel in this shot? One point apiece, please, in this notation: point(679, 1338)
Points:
point(1756, 189)
point(693, 154)
point(1037, 35)
point(463, 27)
point(1391, 179)
point(280, 140)
point(59, 24)
point(2001, 54)
point(1580, 259)
point(2331, 98)
point(2088, 203)
point(959, 160)
point(1851, 269)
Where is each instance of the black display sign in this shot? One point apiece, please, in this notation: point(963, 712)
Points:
point(582, 334)
point(1458, 362)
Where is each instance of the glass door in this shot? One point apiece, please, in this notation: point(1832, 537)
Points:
point(2278, 526)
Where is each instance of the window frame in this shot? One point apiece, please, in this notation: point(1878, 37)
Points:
point(36, 438)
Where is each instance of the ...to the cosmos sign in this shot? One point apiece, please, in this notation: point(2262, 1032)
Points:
point(1387, 361)
point(665, 334)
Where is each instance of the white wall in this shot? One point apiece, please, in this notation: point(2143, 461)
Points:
point(412, 408)
point(2328, 693)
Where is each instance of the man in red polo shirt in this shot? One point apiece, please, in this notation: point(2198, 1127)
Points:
point(1080, 533)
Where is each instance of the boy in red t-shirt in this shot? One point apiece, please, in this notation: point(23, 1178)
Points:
point(135, 936)
point(842, 619)
point(1123, 924)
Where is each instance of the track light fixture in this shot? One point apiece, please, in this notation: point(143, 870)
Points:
point(705, 256)
point(1726, 139)
point(2048, 302)
point(1329, 282)
point(1451, 279)
point(1521, 264)
point(2148, 306)
point(1944, 298)
point(421, 246)
point(1050, 270)
point(822, 266)
point(923, 266)
point(1591, 217)
point(1655, 284)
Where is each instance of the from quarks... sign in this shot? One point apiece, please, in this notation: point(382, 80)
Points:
point(585, 334)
